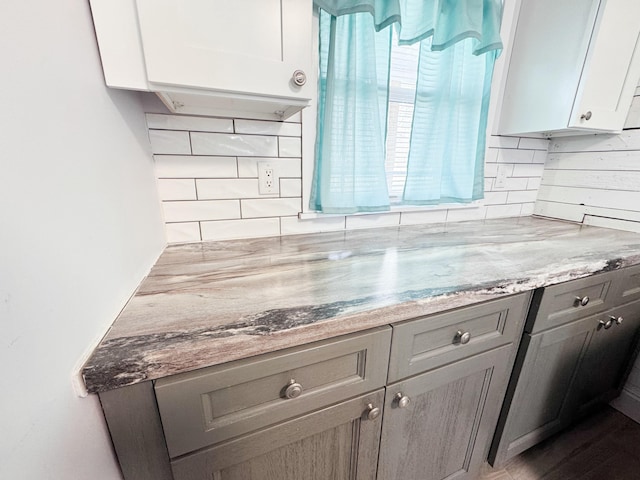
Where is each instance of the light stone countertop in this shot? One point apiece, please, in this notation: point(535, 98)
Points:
point(208, 303)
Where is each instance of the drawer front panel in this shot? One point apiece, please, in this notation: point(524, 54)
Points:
point(563, 303)
point(241, 397)
point(218, 403)
point(629, 288)
point(423, 344)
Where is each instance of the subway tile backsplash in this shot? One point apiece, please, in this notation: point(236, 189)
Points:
point(207, 174)
point(177, 189)
point(259, 127)
point(243, 228)
point(182, 166)
point(200, 210)
point(169, 141)
point(189, 123)
point(228, 144)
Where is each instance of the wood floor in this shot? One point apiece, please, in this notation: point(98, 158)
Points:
point(605, 446)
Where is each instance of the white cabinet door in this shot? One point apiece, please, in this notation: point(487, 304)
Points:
point(573, 68)
point(234, 46)
point(610, 75)
point(547, 56)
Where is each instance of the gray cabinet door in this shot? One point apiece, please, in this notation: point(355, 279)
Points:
point(602, 371)
point(336, 443)
point(539, 402)
point(444, 430)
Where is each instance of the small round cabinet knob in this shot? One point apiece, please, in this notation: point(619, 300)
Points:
point(463, 337)
point(293, 390)
point(581, 301)
point(371, 413)
point(402, 400)
point(606, 325)
point(586, 116)
point(299, 78)
point(617, 320)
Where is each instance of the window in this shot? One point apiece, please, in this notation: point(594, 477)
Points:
point(402, 92)
point(403, 125)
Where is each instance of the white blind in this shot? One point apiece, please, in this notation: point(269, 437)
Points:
point(402, 90)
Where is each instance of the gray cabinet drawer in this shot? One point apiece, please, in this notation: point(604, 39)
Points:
point(629, 288)
point(560, 304)
point(423, 344)
point(214, 404)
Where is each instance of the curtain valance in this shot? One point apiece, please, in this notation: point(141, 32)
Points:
point(446, 21)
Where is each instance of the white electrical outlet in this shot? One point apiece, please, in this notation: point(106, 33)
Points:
point(267, 181)
point(501, 177)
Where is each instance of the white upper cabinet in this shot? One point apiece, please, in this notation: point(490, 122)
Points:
point(574, 67)
point(218, 57)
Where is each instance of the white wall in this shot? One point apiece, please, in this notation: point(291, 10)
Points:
point(80, 226)
point(595, 179)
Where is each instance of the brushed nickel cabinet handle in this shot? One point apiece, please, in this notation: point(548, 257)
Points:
point(462, 337)
point(299, 78)
point(606, 325)
point(372, 412)
point(616, 320)
point(402, 400)
point(581, 301)
point(293, 390)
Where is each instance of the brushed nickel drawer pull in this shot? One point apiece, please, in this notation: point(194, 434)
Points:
point(299, 78)
point(616, 320)
point(606, 325)
point(581, 301)
point(293, 390)
point(462, 337)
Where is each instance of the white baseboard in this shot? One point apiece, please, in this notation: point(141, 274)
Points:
point(628, 403)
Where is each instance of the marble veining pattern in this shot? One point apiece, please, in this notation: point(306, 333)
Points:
point(209, 303)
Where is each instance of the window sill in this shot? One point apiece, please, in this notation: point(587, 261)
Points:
point(396, 209)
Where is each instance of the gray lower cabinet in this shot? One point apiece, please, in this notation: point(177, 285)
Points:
point(417, 400)
point(335, 443)
point(604, 368)
point(563, 372)
point(437, 425)
point(539, 404)
point(331, 410)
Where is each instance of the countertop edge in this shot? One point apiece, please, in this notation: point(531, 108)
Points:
point(207, 352)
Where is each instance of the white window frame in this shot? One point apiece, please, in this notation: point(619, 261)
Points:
point(309, 114)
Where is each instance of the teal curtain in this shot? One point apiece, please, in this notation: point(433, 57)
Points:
point(459, 41)
point(446, 155)
point(349, 172)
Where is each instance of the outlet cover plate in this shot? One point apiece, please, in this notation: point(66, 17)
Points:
point(267, 180)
